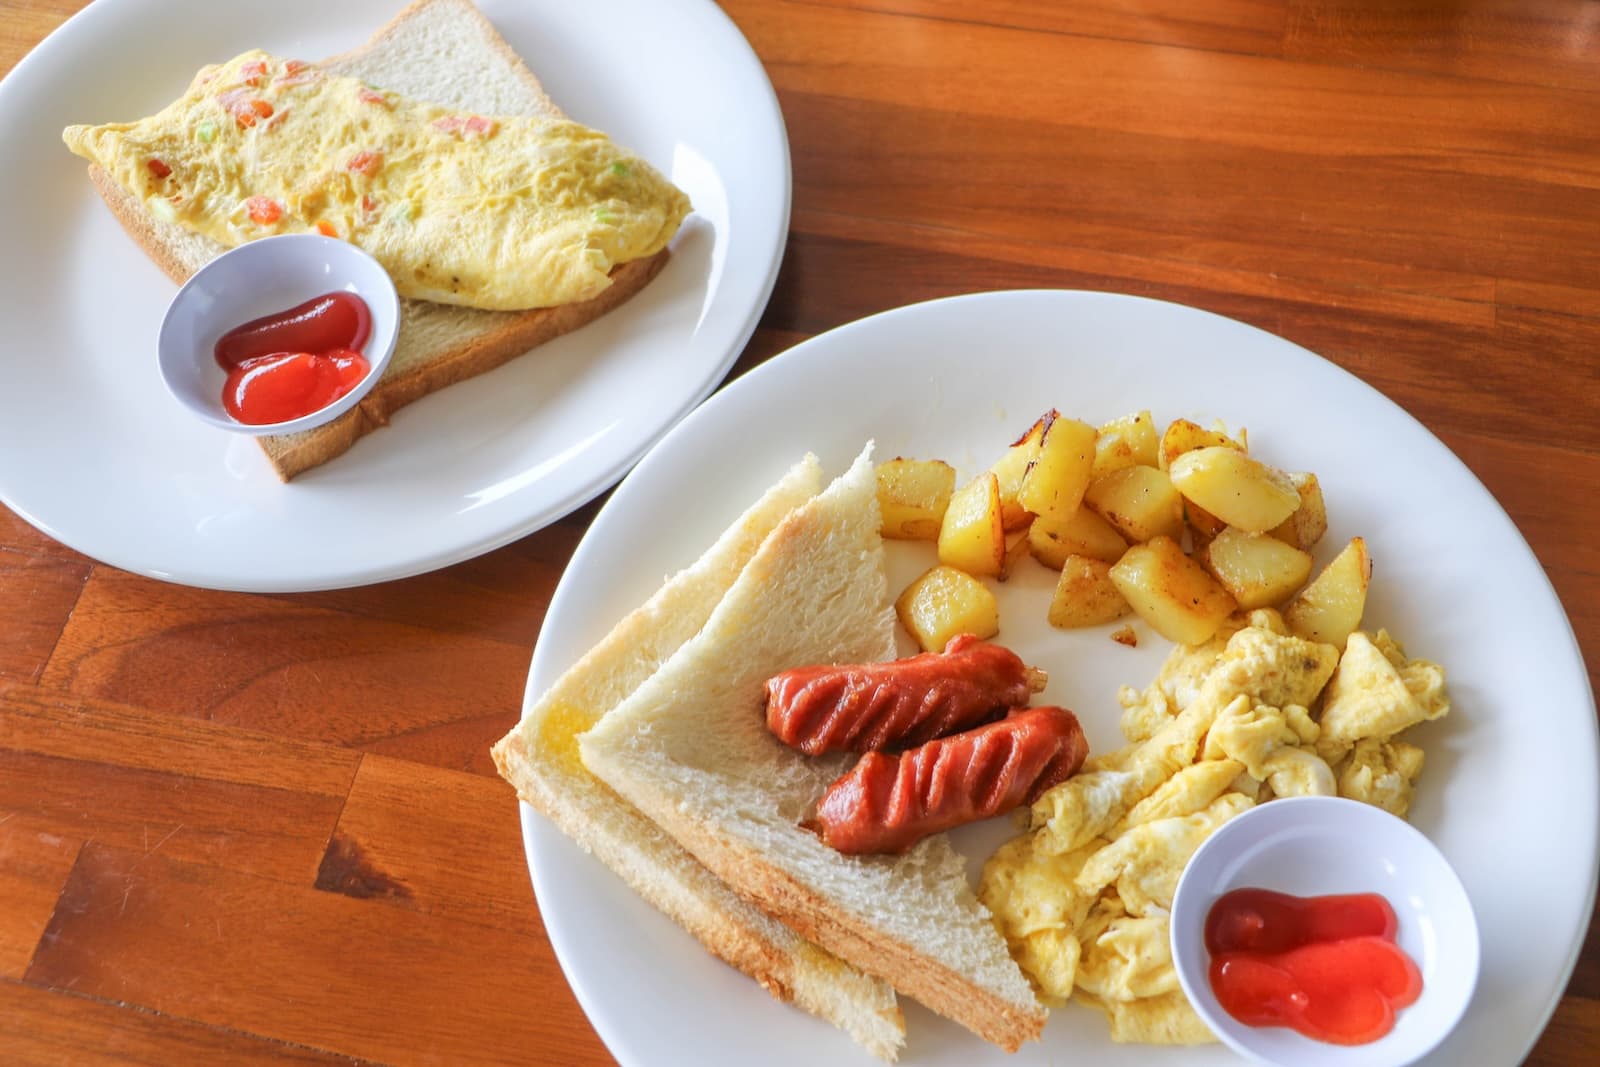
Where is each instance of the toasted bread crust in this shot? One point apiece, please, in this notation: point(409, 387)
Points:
point(784, 966)
point(818, 918)
point(139, 224)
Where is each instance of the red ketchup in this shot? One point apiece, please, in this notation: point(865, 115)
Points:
point(1327, 967)
point(289, 364)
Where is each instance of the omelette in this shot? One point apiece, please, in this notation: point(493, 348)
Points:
point(1255, 713)
point(502, 213)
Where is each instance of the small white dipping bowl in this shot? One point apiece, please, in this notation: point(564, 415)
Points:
point(260, 278)
point(1315, 846)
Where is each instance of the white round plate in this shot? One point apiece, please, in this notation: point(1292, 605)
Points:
point(94, 452)
point(1512, 773)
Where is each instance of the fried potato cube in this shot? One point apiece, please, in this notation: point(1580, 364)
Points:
point(1183, 436)
point(1084, 534)
point(913, 495)
point(1085, 595)
point(1010, 468)
point(1257, 570)
point(1129, 441)
point(1203, 525)
point(1016, 551)
point(1171, 592)
point(972, 536)
point(1309, 522)
point(1054, 483)
point(1329, 609)
point(1140, 502)
point(1243, 492)
point(944, 602)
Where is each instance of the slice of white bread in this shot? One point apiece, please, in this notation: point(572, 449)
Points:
point(540, 758)
point(445, 52)
point(691, 749)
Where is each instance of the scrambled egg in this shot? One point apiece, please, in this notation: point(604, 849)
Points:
point(1083, 897)
point(499, 213)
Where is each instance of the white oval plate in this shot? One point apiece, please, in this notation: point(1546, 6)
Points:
point(94, 452)
point(1513, 772)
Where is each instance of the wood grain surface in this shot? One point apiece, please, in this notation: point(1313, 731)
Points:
point(210, 845)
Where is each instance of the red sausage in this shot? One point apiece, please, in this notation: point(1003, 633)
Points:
point(875, 706)
point(889, 803)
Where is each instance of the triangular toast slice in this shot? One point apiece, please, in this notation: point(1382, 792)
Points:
point(540, 758)
point(691, 749)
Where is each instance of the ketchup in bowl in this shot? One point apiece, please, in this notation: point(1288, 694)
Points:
point(294, 362)
point(1328, 967)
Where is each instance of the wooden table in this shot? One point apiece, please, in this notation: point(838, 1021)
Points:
point(210, 841)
